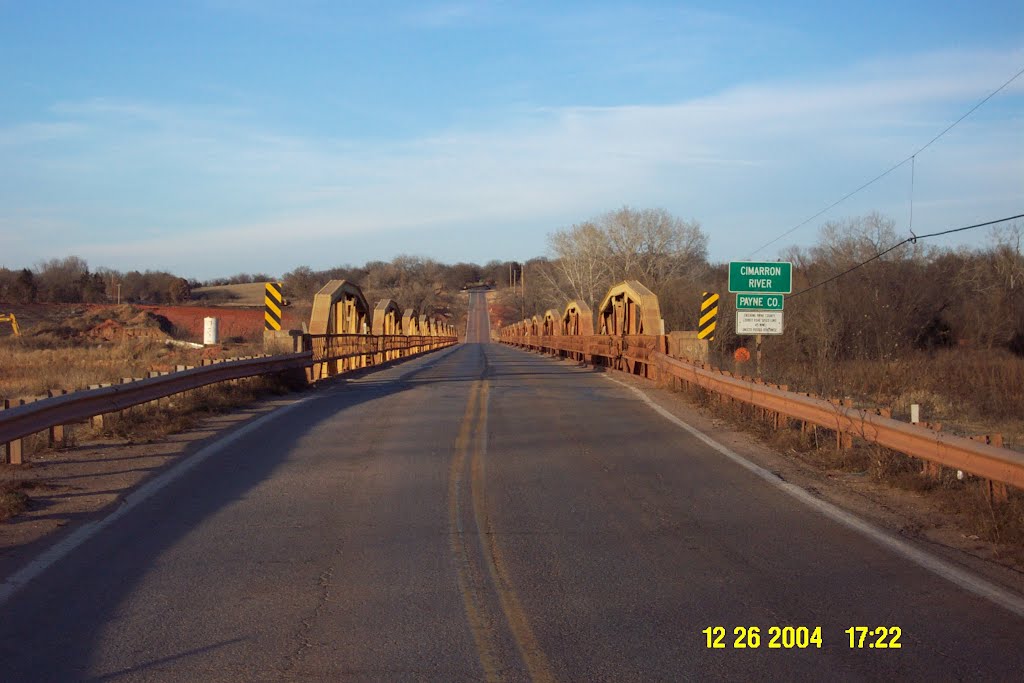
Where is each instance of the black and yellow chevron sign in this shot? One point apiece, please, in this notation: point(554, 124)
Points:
point(708, 316)
point(273, 302)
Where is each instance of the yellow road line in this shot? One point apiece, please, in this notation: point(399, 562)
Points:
point(529, 649)
point(469, 578)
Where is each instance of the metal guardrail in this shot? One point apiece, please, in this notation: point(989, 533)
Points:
point(990, 462)
point(24, 420)
point(1001, 466)
point(20, 421)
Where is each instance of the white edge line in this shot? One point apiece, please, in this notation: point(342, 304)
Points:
point(65, 546)
point(961, 577)
point(69, 543)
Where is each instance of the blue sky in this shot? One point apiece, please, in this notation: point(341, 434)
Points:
point(210, 137)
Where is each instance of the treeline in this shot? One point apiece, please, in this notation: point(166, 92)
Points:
point(424, 284)
point(665, 253)
point(428, 285)
point(69, 280)
point(919, 297)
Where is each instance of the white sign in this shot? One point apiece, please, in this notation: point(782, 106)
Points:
point(758, 322)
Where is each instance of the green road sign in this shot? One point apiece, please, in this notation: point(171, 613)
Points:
point(762, 302)
point(752, 277)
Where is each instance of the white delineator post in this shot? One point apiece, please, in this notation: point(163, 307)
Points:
point(210, 331)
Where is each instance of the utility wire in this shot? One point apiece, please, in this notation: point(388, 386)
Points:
point(891, 168)
point(912, 239)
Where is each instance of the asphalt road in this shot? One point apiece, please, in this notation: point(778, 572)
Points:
point(483, 513)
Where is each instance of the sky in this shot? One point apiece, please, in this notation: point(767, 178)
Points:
point(212, 137)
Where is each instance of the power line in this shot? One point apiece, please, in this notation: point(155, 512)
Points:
point(912, 239)
point(891, 168)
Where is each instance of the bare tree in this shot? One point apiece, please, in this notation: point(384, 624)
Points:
point(649, 245)
point(581, 268)
point(652, 245)
point(60, 279)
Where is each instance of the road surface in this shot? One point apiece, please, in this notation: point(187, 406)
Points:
point(483, 514)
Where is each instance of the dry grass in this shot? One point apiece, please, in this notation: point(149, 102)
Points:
point(13, 499)
point(30, 366)
point(182, 411)
point(969, 391)
point(48, 360)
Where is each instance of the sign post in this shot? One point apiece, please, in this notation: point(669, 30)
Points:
point(757, 342)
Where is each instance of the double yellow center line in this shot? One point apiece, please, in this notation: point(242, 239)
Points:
point(476, 581)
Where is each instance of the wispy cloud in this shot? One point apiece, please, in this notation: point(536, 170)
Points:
point(775, 151)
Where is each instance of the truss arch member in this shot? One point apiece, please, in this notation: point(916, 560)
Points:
point(629, 320)
point(578, 323)
point(339, 308)
point(387, 325)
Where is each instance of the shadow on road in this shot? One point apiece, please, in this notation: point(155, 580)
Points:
point(50, 629)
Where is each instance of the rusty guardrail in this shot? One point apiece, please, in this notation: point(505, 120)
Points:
point(1001, 466)
point(328, 347)
point(631, 353)
point(990, 462)
point(337, 353)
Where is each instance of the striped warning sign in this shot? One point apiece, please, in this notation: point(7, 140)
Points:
point(273, 301)
point(708, 316)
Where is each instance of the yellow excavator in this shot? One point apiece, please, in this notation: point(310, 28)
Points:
point(9, 318)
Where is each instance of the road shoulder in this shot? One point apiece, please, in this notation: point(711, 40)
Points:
point(904, 514)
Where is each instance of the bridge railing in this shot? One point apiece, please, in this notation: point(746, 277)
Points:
point(630, 353)
point(337, 353)
point(328, 347)
point(628, 308)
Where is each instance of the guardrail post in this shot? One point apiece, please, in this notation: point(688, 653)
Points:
point(123, 414)
point(15, 449)
point(846, 439)
point(96, 420)
point(995, 491)
point(930, 469)
point(56, 435)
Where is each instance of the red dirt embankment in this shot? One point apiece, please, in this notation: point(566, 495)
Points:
point(244, 323)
